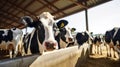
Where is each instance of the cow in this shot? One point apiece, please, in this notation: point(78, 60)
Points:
point(41, 39)
point(10, 39)
point(83, 37)
point(112, 40)
point(97, 44)
point(83, 40)
point(63, 34)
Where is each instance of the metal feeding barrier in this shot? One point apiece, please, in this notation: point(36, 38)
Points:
point(66, 57)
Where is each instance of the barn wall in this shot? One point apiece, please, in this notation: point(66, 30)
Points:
point(67, 57)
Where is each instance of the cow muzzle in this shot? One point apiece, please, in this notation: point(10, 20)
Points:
point(49, 45)
point(70, 40)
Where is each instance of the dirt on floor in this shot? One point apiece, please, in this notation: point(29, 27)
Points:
point(97, 60)
point(100, 61)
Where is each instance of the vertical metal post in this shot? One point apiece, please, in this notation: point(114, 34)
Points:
point(86, 16)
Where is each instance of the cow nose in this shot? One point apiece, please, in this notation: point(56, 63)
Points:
point(50, 45)
point(70, 39)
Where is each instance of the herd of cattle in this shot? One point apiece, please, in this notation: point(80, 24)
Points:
point(49, 35)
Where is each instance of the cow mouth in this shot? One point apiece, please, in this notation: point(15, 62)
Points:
point(50, 46)
point(70, 39)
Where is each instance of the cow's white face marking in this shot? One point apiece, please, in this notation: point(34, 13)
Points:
point(48, 20)
point(69, 37)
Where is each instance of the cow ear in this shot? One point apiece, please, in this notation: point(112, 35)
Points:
point(14, 28)
point(26, 20)
point(62, 23)
point(73, 29)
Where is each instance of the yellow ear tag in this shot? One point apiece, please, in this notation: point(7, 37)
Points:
point(62, 25)
point(72, 30)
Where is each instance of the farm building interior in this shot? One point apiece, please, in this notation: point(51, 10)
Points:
point(11, 12)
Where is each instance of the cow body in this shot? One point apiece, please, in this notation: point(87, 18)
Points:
point(10, 39)
point(112, 38)
point(42, 37)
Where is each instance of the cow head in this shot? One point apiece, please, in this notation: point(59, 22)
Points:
point(97, 40)
point(64, 31)
point(48, 20)
point(44, 25)
point(66, 34)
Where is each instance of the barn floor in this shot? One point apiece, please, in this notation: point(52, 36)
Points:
point(100, 61)
point(97, 60)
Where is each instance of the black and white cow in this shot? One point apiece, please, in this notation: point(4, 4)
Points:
point(112, 38)
point(10, 40)
point(63, 34)
point(97, 44)
point(42, 37)
point(83, 37)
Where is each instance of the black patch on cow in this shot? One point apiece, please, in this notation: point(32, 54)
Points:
point(34, 46)
point(28, 20)
point(1, 37)
point(6, 38)
point(110, 35)
point(62, 34)
point(82, 38)
point(57, 38)
point(41, 32)
point(9, 37)
point(96, 39)
point(38, 34)
point(14, 28)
